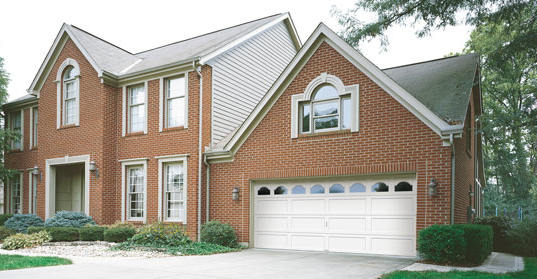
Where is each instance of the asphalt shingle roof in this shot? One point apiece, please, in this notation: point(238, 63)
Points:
point(443, 85)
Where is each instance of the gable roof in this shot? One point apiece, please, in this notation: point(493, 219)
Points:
point(111, 60)
point(443, 85)
point(225, 150)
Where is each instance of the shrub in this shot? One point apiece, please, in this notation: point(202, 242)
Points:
point(5, 232)
point(218, 233)
point(21, 222)
point(4, 217)
point(91, 233)
point(63, 233)
point(443, 244)
point(19, 240)
point(36, 229)
point(160, 235)
point(523, 237)
point(118, 234)
point(500, 228)
point(478, 242)
point(69, 219)
point(119, 224)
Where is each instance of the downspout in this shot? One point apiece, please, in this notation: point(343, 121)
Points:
point(200, 143)
point(207, 188)
point(452, 215)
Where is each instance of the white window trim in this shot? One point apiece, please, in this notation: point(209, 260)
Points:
point(32, 126)
point(125, 108)
point(59, 99)
point(30, 190)
point(10, 123)
point(124, 165)
point(353, 90)
point(162, 160)
point(162, 100)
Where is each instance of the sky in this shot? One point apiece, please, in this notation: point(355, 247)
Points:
point(28, 28)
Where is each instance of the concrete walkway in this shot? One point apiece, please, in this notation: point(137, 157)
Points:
point(495, 263)
point(250, 263)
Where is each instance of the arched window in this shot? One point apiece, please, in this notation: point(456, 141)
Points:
point(68, 93)
point(280, 190)
point(263, 191)
point(317, 189)
point(380, 187)
point(298, 189)
point(357, 188)
point(403, 186)
point(336, 189)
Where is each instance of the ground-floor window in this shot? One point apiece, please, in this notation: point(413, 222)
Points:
point(15, 185)
point(174, 186)
point(136, 190)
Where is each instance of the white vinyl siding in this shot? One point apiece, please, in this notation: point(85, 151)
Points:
point(243, 75)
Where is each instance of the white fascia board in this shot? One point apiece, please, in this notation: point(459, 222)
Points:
point(242, 39)
point(53, 54)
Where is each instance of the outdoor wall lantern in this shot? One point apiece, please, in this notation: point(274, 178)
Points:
point(433, 187)
point(93, 168)
point(235, 193)
point(36, 172)
point(471, 193)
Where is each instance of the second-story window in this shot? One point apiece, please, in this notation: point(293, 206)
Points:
point(70, 96)
point(16, 126)
point(136, 100)
point(35, 117)
point(175, 102)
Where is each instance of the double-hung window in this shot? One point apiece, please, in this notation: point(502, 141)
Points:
point(135, 192)
point(70, 96)
point(15, 183)
point(16, 126)
point(175, 89)
point(174, 197)
point(327, 111)
point(137, 108)
point(35, 118)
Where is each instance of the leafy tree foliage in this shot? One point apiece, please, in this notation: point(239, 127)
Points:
point(6, 136)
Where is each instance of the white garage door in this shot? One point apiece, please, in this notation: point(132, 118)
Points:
point(374, 215)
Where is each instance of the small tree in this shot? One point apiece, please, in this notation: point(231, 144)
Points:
point(6, 135)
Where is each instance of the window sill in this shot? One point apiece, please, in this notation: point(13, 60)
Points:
point(179, 128)
point(15, 151)
point(33, 149)
point(135, 134)
point(68, 126)
point(331, 134)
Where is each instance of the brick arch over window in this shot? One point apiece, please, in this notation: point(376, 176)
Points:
point(310, 91)
point(69, 62)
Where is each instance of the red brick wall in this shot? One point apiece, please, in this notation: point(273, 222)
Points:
point(391, 139)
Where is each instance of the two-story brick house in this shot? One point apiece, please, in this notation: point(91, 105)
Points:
point(297, 147)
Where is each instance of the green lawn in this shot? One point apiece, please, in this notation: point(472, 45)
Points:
point(530, 271)
point(17, 261)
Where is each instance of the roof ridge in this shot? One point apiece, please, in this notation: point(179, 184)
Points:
point(102, 40)
point(427, 61)
point(212, 32)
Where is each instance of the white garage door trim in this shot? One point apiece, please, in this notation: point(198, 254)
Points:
point(356, 222)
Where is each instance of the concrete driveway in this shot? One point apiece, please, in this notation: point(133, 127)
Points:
point(251, 263)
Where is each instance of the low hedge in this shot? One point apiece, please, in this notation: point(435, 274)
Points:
point(91, 233)
point(63, 233)
point(478, 242)
point(501, 225)
point(456, 244)
point(119, 234)
point(36, 229)
point(218, 233)
point(4, 217)
point(523, 238)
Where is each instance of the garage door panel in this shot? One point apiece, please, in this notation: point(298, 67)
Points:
point(393, 205)
point(393, 246)
point(346, 225)
point(271, 224)
point(271, 206)
point(307, 242)
point(347, 206)
point(347, 244)
point(393, 226)
point(311, 206)
point(273, 241)
point(307, 224)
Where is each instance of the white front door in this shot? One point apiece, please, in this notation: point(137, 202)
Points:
point(374, 214)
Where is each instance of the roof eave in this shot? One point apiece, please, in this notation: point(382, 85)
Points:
point(21, 103)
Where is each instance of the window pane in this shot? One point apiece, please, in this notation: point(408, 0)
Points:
point(326, 122)
point(281, 190)
point(137, 95)
point(379, 187)
point(176, 87)
point(403, 187)
point(69, 73)
point(137, 118)
point(298, 189)
point(326, 92)
point(34, 128)
point(325, 108)
point(317, 189)
point(336, 189)
point(305, 116)
point(16, 127)
point(357, 188)
point(135, 190)
point(70, 111)
point(70, 90)
point(263, 191)
point(346, 113)
point(176, 112)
